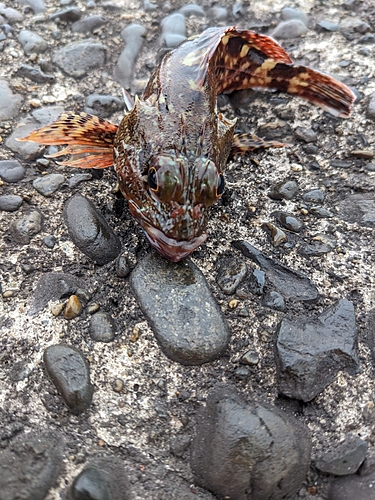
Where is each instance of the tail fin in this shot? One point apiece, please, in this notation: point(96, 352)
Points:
point(89, 139)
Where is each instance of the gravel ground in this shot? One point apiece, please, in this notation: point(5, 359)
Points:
point(135, 434)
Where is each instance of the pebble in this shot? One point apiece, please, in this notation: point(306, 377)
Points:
point(310, 353)
point(92, 308)
point(133, 36)
point(79, 58)
point(289, 221)
point(123, 266)
point(184, 334)
point(10, 202)
point(73, 307)
point(53, 287)
point(289, 29)
point(68, 15)
point(192, 9)
point(32, 42)
point(70, 373)
point(367, 39)
point(26, 227)
point(320, 212)
point(271, 449)
point(12, 16)
point(283, 190)
point(324, 25)
point(354, 24)
point(90, 231)
point(36, 5)
point(250, 358)
point(367, 154)
point(306, 134)
point(358, 208)
point(48, 184)
point(314, 196)
point(257, 281)
point(219, 14)
point(76, 179)
point(241, 373)
point(230, 274)
point(35, 74)
point(103, 105)
point(173, 30)
point(88, 24)
point(102, 327)
point(274, 300)
point(291, 284)
point(345, 458)
point(10, 103)
point(30, 466)
point(288, 13)
point(340, 164)
point(371, 106)
point(276, 234)
point(90, 484)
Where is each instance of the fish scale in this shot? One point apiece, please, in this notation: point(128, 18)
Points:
point(171, 148)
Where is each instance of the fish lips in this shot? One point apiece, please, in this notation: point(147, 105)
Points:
point(168, 247)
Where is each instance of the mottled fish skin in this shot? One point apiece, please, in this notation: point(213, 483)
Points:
point(171, 149)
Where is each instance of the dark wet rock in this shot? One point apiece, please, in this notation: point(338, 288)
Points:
point(291, 284)
point(248, 451)
point(173, 30)
point(320, 212)
point(358, 208)
point(343, 459)
point(78, 58)
point(124, 265)
point(90, 484)
point(54, 286)
point(289, 29)
point(192, 9)
point(289, 221)
point(90, 231)
point(78, 178)
point(133, 36)
point(356, 486)
point(371, 106)
point(68, 15)
point(88, 24)
point(274, 300)
point(324, 25)
point(70, 373)
point(48, 184)
point(35, 74)
point(230, 274)
point(38, 118)
point(102, 327)
point(36, 5)
point(283, 190)
point(310, 353)
point(257, 281)
point(11, 15)
point(314, 196)
point(10, 202)
point(183, 332)
point(49, 240)
point(320, 245)
point(288, 13)
point(26, 227)
point(306, 134)
point(10, 103)
point(32, 42)
point(250, 358)
point(277, 235)
point(73, 307)
point(103, 105)
point(30, 466)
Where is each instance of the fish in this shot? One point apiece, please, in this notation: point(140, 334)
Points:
point(172, 145)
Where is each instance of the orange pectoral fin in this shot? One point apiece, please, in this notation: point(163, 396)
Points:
point(89, 139)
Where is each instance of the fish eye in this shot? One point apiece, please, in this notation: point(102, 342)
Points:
point(220, 185)
point(152, 179)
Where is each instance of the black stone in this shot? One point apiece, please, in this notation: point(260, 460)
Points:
point(289, 221)
point(274, 300)
point(70, 373)
point(244, 451)
point(343, 459)
point(90, 484)
point(90, 231)
point(314, 196)
point(310, 353)
point(35, 74)
point(188, 325)
point(231, 272)
point(102, 327)
point(284, 190)
point(11, 171)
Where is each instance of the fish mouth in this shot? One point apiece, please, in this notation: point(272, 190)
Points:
point(170, 248)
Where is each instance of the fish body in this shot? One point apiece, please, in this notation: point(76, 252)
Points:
point(171, 148)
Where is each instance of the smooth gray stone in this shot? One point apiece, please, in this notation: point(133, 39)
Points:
point(133, 36)
point(70, 373)
point(10, 103)
point(48, 184)
point(31, 42)
point(289, 29)
point(10, 202)
point(11, 171)
point(180, 309)
point(78, 58)
point(102, 328)
point(27, 226)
